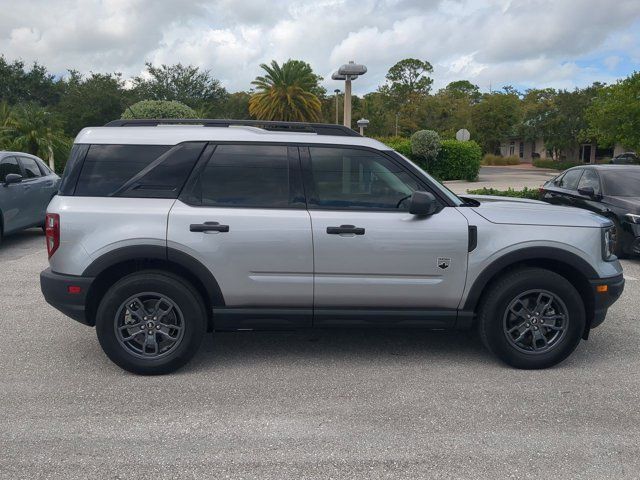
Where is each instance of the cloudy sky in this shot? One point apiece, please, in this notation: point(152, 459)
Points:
point(526, 43)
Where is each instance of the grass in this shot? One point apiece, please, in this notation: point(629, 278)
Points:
point(531, 193)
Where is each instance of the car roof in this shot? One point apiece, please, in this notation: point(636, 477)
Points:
point(174, 134)
point(7, 153)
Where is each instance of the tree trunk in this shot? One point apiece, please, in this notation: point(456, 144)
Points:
point(52, 164)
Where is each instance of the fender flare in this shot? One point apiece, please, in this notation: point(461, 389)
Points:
point(160, 254)
point(518, 256)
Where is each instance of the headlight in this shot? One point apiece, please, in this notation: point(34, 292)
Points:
point(632, 218)
point(607, 243)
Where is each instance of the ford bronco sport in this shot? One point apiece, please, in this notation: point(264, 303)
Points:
point(163, 230)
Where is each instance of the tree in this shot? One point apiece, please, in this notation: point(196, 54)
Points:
point(185, 84)
point(614, 116)
point(17, 85)
point(159, 109)
point(92, 101)
point(495, 118)
point(426, 145)
point(32, 129)
point(463, 89)
point(408, 78)
point(286, 93)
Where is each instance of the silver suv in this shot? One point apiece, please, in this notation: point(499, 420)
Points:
point(161, 232)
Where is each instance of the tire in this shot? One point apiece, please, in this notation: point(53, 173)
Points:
point(133, 305)
point(511, 336)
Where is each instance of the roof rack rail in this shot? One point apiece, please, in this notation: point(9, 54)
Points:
point(291, 127)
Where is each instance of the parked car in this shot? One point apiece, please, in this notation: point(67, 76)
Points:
point(27, 185)
point(612, 191)
point(628, 158)
point(160, 233)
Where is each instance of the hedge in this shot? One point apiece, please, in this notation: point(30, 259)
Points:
point(457, 161)
point(554, 164)
point(531, 193)
point(490, 159)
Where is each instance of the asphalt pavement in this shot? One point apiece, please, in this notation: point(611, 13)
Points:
point(373, 404)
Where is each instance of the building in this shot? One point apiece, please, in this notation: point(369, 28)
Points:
point(528, 150)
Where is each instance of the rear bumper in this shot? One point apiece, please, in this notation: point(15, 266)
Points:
point(56, 291)
point(602, 300)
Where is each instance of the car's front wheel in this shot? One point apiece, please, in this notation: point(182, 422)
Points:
point(532, 318)
point(151, 322)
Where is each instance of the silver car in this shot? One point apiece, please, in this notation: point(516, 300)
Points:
point(27, 185)
point(161, 232)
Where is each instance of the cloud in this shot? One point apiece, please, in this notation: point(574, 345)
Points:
point(519, 42)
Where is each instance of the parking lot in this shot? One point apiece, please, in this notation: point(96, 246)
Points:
point(378, 404)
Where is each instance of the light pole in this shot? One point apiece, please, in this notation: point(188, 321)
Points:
point(337, 92)
point(348, 72)
point(362, 124)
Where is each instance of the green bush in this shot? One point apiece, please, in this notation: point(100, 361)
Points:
point(457, 161)
point(554, 164)
point(490, 159)
point(530, 193)
point(425, 144)
point(159, 109)
point(399, 144)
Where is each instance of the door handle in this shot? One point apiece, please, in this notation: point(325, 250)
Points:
point(345, 229)
point(208, 227)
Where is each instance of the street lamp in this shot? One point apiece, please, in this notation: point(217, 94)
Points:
point(337, 92)
point(362, 124)
point(348, 72)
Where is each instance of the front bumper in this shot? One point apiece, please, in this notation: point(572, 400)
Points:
point(58, 292)
point(604, 298)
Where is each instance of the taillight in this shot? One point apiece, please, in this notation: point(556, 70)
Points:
point(52, 232)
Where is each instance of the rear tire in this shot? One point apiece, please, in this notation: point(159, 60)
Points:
point(151, 322)
point(531, 318)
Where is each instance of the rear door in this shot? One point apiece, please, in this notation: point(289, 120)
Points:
point(13, 204)
point(369, 251)
point(243, 215)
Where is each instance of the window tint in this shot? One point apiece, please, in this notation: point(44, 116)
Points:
point(30, 166)
point(245, 176)
point(106, 168)
point(9, 165)
point(621, 183)
point(72, 169)
point(351, 178)
point(164, 177)
point(590, 179)
point(570, 179)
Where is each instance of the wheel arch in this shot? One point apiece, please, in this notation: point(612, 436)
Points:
point(567, 264)
point(110, 267)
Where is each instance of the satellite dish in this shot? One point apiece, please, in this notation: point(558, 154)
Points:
point(463, 135)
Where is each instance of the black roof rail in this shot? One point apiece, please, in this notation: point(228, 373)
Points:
point(292, 127)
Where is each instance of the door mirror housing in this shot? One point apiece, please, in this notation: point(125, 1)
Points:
point(587, 192)
point(12, 178)
point(423, 203)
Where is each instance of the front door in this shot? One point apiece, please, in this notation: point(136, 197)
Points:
point(369, 251)
point(243, 216)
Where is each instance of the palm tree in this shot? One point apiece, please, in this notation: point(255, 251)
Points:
point(285, 93)
point(32, 129)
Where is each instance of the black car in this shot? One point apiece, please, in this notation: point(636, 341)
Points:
point(609, 190)
point(628, 158)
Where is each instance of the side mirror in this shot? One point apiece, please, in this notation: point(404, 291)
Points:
point(423, 203)
point(587, 192)
point(12, 178)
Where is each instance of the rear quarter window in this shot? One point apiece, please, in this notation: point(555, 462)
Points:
point(147, 171)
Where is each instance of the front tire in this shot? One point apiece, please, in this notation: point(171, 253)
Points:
point(151, 322)
point(532, 318)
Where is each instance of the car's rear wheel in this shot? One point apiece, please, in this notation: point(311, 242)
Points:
point(151, 322)
point(532, 318)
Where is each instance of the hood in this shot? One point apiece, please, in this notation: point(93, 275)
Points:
point(631, 204)
point(539, 214)
point(496, 198)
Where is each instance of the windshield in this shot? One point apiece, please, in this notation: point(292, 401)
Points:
point(457, 201)
point(621, 183)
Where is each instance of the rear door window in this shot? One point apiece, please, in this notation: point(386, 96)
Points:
point(30, 166)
